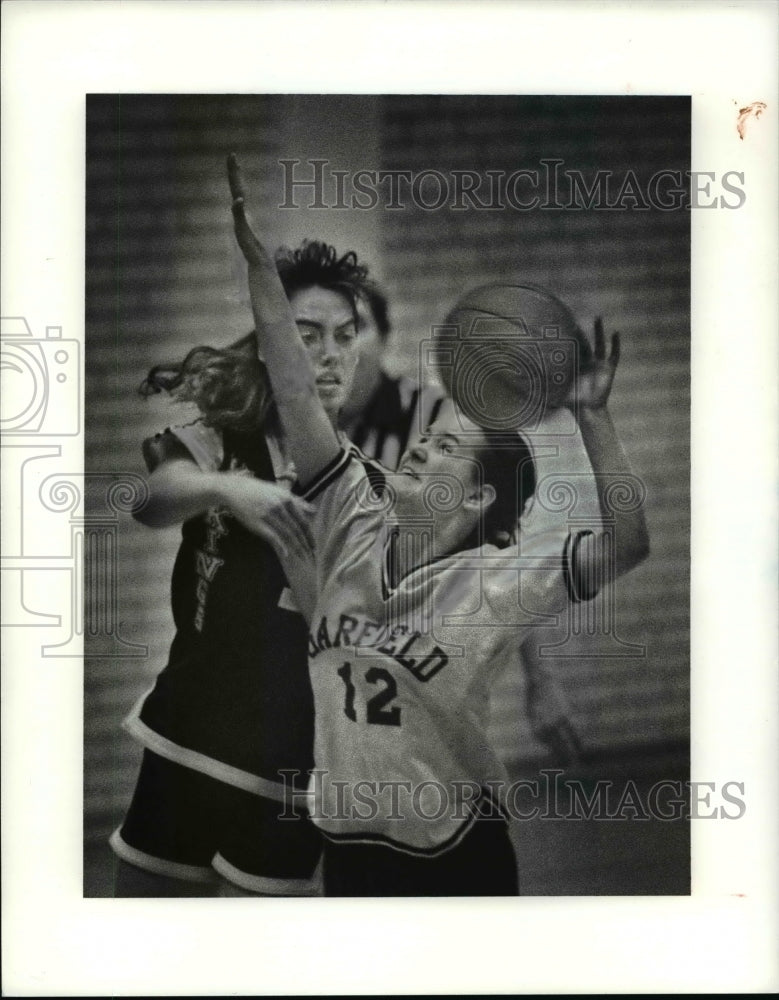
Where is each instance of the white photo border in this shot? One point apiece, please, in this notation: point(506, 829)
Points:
point(720, 939)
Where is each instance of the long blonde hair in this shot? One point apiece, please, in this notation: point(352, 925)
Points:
point(230, 386)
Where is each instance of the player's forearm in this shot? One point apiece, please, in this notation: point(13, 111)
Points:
point(178, 490)
point(279, 343)
point(311, 440)
point(610, 464)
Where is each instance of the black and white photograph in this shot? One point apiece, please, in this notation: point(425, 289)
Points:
point(388, 435)
point(481, 251)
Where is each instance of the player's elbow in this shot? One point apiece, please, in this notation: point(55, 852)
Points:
point(632, 554)
point(152, 508)
point(149, 514)
point(641, 543)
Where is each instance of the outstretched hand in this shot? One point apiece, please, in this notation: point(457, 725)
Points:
point(270, 305)
point(255, 253)
point(596, 376)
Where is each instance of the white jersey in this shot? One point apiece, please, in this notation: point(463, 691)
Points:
point(401, 677)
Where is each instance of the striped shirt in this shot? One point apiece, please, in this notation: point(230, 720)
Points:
point(398, 412)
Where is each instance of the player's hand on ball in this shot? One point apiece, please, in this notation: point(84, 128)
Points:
point(596, 375)
point(255, 253)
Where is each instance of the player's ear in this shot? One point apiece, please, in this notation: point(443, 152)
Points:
point(482, 497)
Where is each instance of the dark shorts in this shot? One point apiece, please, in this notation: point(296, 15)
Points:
point(482, 864)
point(184, 824)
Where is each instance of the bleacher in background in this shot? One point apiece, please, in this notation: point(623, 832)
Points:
point(162, 275)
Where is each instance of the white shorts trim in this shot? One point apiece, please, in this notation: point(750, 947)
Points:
point(159, 866)
point(382, 840)
point(269, 886)
point(225, 773)
point(433, 851)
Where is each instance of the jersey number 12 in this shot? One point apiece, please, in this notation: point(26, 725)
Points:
point(377, 708)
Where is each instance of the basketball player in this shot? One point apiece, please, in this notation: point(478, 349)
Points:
point(383, 417)
point(412, 617)
point(234, 704)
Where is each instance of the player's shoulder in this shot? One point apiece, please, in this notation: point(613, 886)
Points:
point(546, 542)
point(195, 440)
point(376, 473)
point(345, 468)
point(543, 556)
point(497, 572)
point(492, 566)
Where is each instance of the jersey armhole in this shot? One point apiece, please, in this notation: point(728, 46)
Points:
point(163, 448)
point(579, 583)
point(202, 445)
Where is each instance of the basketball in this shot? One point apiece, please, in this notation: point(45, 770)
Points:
point(507, 353)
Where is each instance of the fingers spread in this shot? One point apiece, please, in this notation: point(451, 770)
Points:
point(600, 340)
point(296, 543)
point(290, 520)
point(274, 537)
point(615, 349)
point(286, 538)
point(301, 519)
point(585, 352)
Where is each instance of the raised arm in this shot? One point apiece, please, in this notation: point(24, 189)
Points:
point(309, 435)
point(611, 467)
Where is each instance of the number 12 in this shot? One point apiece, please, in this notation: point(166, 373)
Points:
point(377, 712)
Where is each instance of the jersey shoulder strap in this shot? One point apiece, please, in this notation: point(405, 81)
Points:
point(196, 441)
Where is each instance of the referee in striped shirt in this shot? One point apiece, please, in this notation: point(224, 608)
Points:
point(384, 414)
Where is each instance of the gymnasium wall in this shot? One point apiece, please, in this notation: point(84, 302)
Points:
point(632, 268)
point(162, 275)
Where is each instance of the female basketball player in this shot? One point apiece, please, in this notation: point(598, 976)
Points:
point(411, 618)
point(233, 707)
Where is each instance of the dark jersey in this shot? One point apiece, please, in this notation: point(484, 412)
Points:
point(234, 700)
